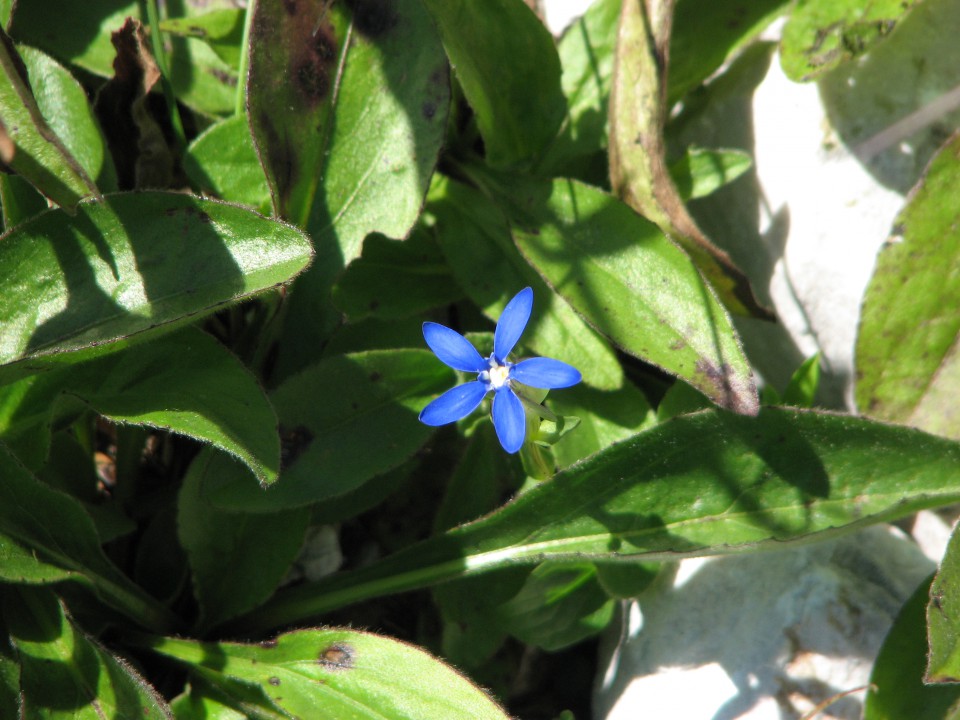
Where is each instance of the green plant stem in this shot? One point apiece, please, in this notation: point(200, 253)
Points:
point(240, 104)
point(160, 55)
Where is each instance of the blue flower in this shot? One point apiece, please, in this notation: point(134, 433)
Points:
point(494, 374)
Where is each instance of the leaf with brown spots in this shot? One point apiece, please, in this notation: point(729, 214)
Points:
point(335, 673)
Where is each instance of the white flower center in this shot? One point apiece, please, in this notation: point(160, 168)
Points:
point(499, 374)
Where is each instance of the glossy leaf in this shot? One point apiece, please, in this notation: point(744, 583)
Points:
point(908, 345)
point(63, 673)
point(64, 105)
point(237, 559)
point(700, 172)
point(131, 263)
point(222, 161)
point(942, 624)
point(474, 236)
point(45, 536)
point(518, 112)
point(634, 286)
point(822, 34)
point(586, 53)
point(31, 148)
point(343, 421)
point(749, 483)
point(334, 674)
point(353, 151)
point(896, 690)
point(394, 280)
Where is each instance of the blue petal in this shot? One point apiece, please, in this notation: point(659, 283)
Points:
point(512, 323)
point(452, 348)
point(545, 373)
point(509, 419)
point(454, 404)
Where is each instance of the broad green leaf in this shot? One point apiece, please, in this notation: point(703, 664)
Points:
point(160, 566)
point(45, 536)
point(680, 399)
point(586, 54)
point(197, 704)
point(896, 690)
point(700, 172)
point(706, 34)
point(185, 382)
point(908, 344)
point(237, 559)
point(221, 29)
point(63, 103)
point(822, 34)
point(375, 335)
point(222, 160)
point(131, 263)
point(349, 145)
point(475, 238)
point(337, 674)
point(518, 111)
point(633, 285)
point(708, 483)
point(605, 418)
point(66, 675)
point(942, 624)
point(393, 280)
point(343, 421)
point(32, 148)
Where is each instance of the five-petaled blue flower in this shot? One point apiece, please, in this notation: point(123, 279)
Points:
point(494, 373)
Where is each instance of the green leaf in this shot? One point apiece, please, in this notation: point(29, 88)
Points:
point(822, 34)
point(63, 103)
point(700, 172)
point(907, 358)
point(559, 605)
point(518, 111)
point(633, 285)
point(131, 263)
point(343, 421)
point(222, 161)
point(705, 35)
point(605, 418)
point(349, 145)
point(221, 29)
point(185, 382)
point(65, 674)
point(45, 536)
point(942, 624)
point(586, 53)
point(237, 559)
point(20, 200)
point(35, 151)
point(393, 280)
point(474, 236)
point(896, 690)
point(701, 484)
point(801, 391)
point(337, 674)
point(80, 34)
